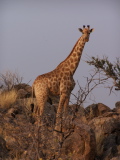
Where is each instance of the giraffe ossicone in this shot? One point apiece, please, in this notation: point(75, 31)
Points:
point(60, 81)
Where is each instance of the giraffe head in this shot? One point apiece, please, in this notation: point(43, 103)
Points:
point(86, 32)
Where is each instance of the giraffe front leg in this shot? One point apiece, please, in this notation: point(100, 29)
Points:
point(66, 103)
point(70, 87)
point(60, 111)
point(58, 125)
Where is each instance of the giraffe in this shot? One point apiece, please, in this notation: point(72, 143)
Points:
point(60, 81)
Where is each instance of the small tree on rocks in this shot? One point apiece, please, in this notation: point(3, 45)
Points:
point(108, 70)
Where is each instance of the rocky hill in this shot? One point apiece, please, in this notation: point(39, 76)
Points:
point(91, 133)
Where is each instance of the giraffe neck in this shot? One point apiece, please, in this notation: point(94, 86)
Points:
point(71, 63)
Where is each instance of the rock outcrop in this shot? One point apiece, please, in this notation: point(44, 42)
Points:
point(92, 133)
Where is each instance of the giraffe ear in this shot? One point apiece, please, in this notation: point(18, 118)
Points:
point(80, 30)
point(92, 30)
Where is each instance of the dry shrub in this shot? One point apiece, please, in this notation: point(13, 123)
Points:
point(8, 98)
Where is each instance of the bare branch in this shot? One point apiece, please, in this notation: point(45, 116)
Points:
point(8, 80)
point(92, 82)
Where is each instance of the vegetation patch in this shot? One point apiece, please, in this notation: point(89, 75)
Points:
point(8, 98)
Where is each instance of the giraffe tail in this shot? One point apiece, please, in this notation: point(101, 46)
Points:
point(32, 119)
point(32, 104)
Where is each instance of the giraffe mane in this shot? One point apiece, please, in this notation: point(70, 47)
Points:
point(70, 53)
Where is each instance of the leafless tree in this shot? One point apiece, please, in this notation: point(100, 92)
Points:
point(92, 82)
point(9, 79)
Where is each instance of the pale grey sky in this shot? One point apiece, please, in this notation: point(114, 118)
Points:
point(36, 35)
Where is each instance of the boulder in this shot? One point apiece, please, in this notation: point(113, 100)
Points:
point(96, 110)
point(102, 109)
point(80, 144)
point(116, 158)
point(24, 90)
point(107, 135)
point(117, 107)
point(22, 93)
point(3, 148)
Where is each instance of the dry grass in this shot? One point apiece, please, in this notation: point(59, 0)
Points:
point(8, 98)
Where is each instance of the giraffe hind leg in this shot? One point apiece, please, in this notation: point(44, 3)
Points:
point(41, 101)
point(41, 93)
